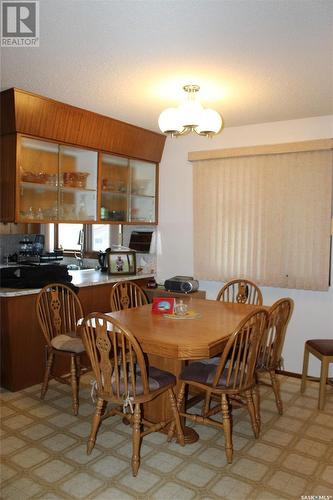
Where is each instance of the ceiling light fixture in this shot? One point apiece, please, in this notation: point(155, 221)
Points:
point(190, 117)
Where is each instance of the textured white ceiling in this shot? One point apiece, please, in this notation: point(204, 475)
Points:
point(256, 60)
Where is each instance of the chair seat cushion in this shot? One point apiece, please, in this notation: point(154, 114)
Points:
point(323, 346)
point(159, 378)
point(203, 371)
point(156, 379)
point(67, 343)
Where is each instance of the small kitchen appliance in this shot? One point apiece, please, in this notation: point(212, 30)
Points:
point(31, 251)
point(103, 260)
point(182, 284)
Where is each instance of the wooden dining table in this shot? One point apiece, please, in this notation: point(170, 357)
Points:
point(170, 343)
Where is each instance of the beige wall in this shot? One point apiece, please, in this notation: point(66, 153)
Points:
point(313, 315)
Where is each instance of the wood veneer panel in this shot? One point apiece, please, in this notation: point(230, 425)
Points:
point(43, 117)
point(22, 353)
point(7, 115)
point(23, 345)
point(7, 177)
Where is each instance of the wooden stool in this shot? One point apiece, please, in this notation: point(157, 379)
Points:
point(323, 350)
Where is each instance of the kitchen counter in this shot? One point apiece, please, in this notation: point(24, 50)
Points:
point(22, 342)
point(83, 278)
point(88, 277)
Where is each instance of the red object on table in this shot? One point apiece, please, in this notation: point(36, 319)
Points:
point(163, 305)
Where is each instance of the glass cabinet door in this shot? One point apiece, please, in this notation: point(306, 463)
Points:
point(115, 173)
point(38, 180)
point(56, 183)
point(78, 184)
point(142, 191)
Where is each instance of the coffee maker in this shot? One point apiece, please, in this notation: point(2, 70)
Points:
point(103, 260)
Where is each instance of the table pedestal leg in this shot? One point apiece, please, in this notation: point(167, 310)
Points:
point(190, 435)
point(159, 409)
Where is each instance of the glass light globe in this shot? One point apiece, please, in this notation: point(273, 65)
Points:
point(190, 113)
point(210, 122)
point(169, 121)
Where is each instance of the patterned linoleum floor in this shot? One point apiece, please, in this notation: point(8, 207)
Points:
point(43, 449)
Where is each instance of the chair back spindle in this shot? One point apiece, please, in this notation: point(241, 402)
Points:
point(240, 291)
point(58, 310)
point(116, 357)
point(271, 346)
point(238, 360)
point(125, 295)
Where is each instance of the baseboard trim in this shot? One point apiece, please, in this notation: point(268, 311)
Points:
point(329, 380)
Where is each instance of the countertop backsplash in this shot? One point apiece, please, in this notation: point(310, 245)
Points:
point(9, 244)
point(145, 262)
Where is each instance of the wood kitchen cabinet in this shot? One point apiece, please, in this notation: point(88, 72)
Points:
point(60, 183)
point(55, 182)
point(128, 190)
point(62, 164)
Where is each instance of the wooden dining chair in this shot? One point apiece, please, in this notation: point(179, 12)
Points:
point(242, 291)
point(229, 377)
point(322, 349)
point(126, 294)
point(122, 378)
point(269, 356)
point(58, 310)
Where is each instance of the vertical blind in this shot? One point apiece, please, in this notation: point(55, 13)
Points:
point(265, 217)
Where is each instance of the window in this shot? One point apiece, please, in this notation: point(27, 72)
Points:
point(265, 217)
point(68, 236)
point(100, 237)
point(97, 236)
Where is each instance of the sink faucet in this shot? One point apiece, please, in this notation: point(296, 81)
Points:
point(80, 254)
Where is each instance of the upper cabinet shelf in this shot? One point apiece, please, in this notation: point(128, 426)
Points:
point(64, 164)
point(52, 187)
